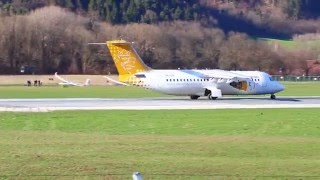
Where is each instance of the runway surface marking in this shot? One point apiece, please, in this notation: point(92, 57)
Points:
point(44, 105)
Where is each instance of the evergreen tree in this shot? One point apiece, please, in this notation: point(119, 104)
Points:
point(93, 6)
point(132, 12)
point(115, 16)
point(293, 8)
point(178, 14)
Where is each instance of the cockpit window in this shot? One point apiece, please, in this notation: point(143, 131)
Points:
point(271, 79)
point(140, 76)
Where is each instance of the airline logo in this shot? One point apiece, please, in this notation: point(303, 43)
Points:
point(125, 58)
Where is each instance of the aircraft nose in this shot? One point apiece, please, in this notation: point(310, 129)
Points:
point(281, 87)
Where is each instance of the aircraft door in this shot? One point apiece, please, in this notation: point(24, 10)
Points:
point(251, 85)
point(263, 82)
point(263, 79)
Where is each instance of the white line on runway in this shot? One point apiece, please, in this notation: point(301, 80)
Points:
point(45, 105)
point(47, 109)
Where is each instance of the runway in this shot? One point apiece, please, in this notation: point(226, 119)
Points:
point(44, 105)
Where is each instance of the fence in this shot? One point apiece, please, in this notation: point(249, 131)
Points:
point(297, 78)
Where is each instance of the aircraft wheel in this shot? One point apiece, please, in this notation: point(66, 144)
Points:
point(273, 96)
point(194, 97)
point(211, 97)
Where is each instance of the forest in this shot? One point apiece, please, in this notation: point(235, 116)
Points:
point(53, 35)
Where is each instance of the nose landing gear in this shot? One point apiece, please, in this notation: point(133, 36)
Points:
point(273, 96)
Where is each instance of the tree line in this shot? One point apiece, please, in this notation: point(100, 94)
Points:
point(134, 10)
point(54, 39)
point(116, 11)
point(272, 18)
point(281, 18)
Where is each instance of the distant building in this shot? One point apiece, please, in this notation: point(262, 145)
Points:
point(28, 70)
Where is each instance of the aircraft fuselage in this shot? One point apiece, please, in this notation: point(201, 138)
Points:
point(195, 82)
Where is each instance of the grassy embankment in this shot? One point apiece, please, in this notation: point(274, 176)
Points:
point(175, 144)
point(292, 89)
point(291, 44)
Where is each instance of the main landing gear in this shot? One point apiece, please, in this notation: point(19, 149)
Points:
point(194, 97)
point(273, 96)
point(209, 94)
point(211, 97)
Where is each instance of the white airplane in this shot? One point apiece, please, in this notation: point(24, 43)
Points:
point(69, 83)
point(193, 83)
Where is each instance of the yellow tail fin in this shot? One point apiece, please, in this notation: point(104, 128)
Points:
point(126, 59)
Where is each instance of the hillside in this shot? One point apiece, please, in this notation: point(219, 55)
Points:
point(259, 18)
point(168, 34)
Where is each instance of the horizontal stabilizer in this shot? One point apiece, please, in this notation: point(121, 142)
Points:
point(69, 83)
point(116, 82)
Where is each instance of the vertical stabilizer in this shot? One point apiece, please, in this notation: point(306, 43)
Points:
point(126, 58)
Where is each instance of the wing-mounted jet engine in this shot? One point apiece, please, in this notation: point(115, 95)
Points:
point(241, 85)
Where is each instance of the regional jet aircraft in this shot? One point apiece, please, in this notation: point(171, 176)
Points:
point(69, 83)
point(194, 83)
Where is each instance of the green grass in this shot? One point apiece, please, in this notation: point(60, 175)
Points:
point(292, 89)
point(291, 45)
point(75, 92)
point(284, 43)
point(300, 89)
point(172, 144)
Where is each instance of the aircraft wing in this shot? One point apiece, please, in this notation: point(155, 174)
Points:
point(227, 77)
point(66, 82)
point(236, 80)
point(218, 76)
point(116, 82)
